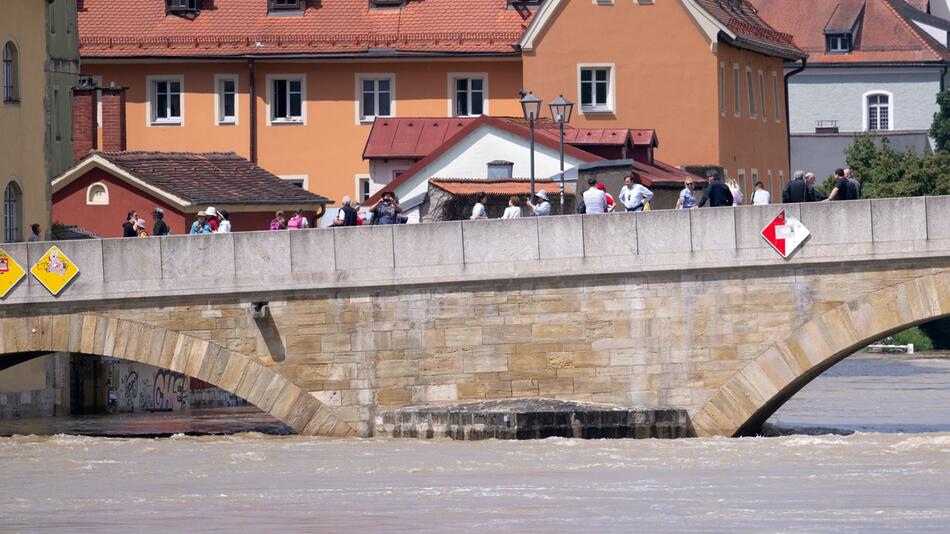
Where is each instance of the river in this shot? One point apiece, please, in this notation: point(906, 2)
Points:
point(893, 474)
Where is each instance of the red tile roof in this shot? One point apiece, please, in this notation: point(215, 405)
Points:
point(660, 174)
point(751, 30)
point(140, 28)
point(515, 186)
point(410, 137)
point(887, 34)
point(209, 178)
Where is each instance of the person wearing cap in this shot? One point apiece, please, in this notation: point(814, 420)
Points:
point(200, 226)
point(224, 225)
point(160, 227)
point(611, 204)
point(634, 196)
point(140, 228)
point(212, 218)
point(543, 208)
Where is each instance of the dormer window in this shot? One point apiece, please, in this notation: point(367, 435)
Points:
point(182, 6)
point(281, 5)
point(386, 3)
point(838, 43)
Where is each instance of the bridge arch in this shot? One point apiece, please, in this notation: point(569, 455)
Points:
point(752, 395)
point(237, 373)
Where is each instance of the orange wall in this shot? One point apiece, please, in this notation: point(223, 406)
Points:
point(664, 70)
point(754, 143)
point(328, 148)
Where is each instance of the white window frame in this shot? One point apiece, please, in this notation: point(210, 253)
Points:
point(269, 82)
point(890, 110)
point(360, 78)
point(762, 99)
point(603, 2)
point(736, 90)
point(776, 106)
point(452, 77)
point(771, 185)
point(14, 217)
point(781, 178)
point(152, 81)
point(90, 201)
point(219, 117)
point(750, 94)
point(722, 89)
point(360, 179)
point(611, 104)
point(304, 178)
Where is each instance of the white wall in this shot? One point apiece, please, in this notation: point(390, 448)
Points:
point(940, 8)
point(838, 94)
point(381, 171)
point(937, 33)
point(469, 159)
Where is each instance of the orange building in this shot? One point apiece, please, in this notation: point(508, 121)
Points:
point(294, 85)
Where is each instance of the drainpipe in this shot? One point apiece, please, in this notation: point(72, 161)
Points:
point(252, 90)
point(788, 126)
point(943, 76)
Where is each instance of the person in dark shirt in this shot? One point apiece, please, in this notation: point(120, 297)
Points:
point(128, 227)
point(797, 190)
point(716, 193)
point(815, 195)
point(347, 215)
point(160, 227)
point(843, 189)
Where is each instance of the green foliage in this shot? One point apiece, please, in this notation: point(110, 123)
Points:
point(915, 335)
point(885, 172)
point(940, 129)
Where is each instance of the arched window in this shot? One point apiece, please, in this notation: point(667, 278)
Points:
point(97, 194)
point(11, 67)
point(878, 111)
point(12, 213)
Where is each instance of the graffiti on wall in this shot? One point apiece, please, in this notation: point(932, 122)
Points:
point(143, 387)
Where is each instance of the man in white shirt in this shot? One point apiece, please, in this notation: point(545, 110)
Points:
point(479, 212)
point(634, 196)
point(761, 197)
point(595, 200)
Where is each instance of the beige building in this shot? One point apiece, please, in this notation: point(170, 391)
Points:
point(40, 65)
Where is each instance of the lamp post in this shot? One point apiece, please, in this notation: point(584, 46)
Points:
point(561, 109)
point(531, 107)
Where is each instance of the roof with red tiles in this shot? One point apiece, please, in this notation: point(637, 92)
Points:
point(660, 174)
point(220, 178)
point(886, 29)
point(461, 187)
point(141, 28)
point(410, 137)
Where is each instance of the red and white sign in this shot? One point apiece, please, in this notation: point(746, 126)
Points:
point(785, 233)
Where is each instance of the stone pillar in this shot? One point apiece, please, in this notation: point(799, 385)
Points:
point(84, 121)
point(113, 119)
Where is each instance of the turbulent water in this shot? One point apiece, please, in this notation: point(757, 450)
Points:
point(875, 479)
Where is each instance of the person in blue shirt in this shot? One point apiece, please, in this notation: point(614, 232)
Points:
point(201, 225)
point(687, 198)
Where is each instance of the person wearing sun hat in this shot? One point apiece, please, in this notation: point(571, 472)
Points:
point(212, 218)
point(543, 207)
point(200, 226)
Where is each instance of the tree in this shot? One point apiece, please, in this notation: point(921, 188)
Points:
point(940, 129)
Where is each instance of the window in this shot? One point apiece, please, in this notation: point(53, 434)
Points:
point(299, 180)
point(597, 92)
point(286, 95)
point(736, 90)
point(285, 4)
point(54, 115)
point(771, 185)
point(97, 194)
point(762, 95)
point(375, 96)
point(468, 95)
point(722, 89)
point(166, 100)
point(838, 43)
point(12, 212)
point(362, 188)
point(226, 98)
point(173, 6)
point(11, 68)
point(750, 88)
point(878, 111)
point(776, 108)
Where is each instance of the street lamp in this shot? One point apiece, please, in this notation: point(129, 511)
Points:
point(531, 107)
point(561, 109)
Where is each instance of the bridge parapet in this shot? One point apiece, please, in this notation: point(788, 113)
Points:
point(262, 263)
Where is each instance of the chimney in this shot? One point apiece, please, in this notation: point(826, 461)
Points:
point(84, 119)
point(500, 169)
point(113, 119)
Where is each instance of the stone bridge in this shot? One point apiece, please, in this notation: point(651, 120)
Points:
point(666, 309)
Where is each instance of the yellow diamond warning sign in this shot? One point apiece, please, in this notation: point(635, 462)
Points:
point(10, 273)
point(54, 270)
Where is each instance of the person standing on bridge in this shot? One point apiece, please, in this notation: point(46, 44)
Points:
point(543, 207)
point(200, 226)
point(760, 197)
point(814, 194)
point(128, 227)
point(843, 190)
point(716, 193)
point(796, 190)
point(634, 197)
point(160, 227)
point(279, 222)
point(224, 226)
point(595, 200)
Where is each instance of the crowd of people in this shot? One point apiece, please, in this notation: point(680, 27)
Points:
point(596, 199)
